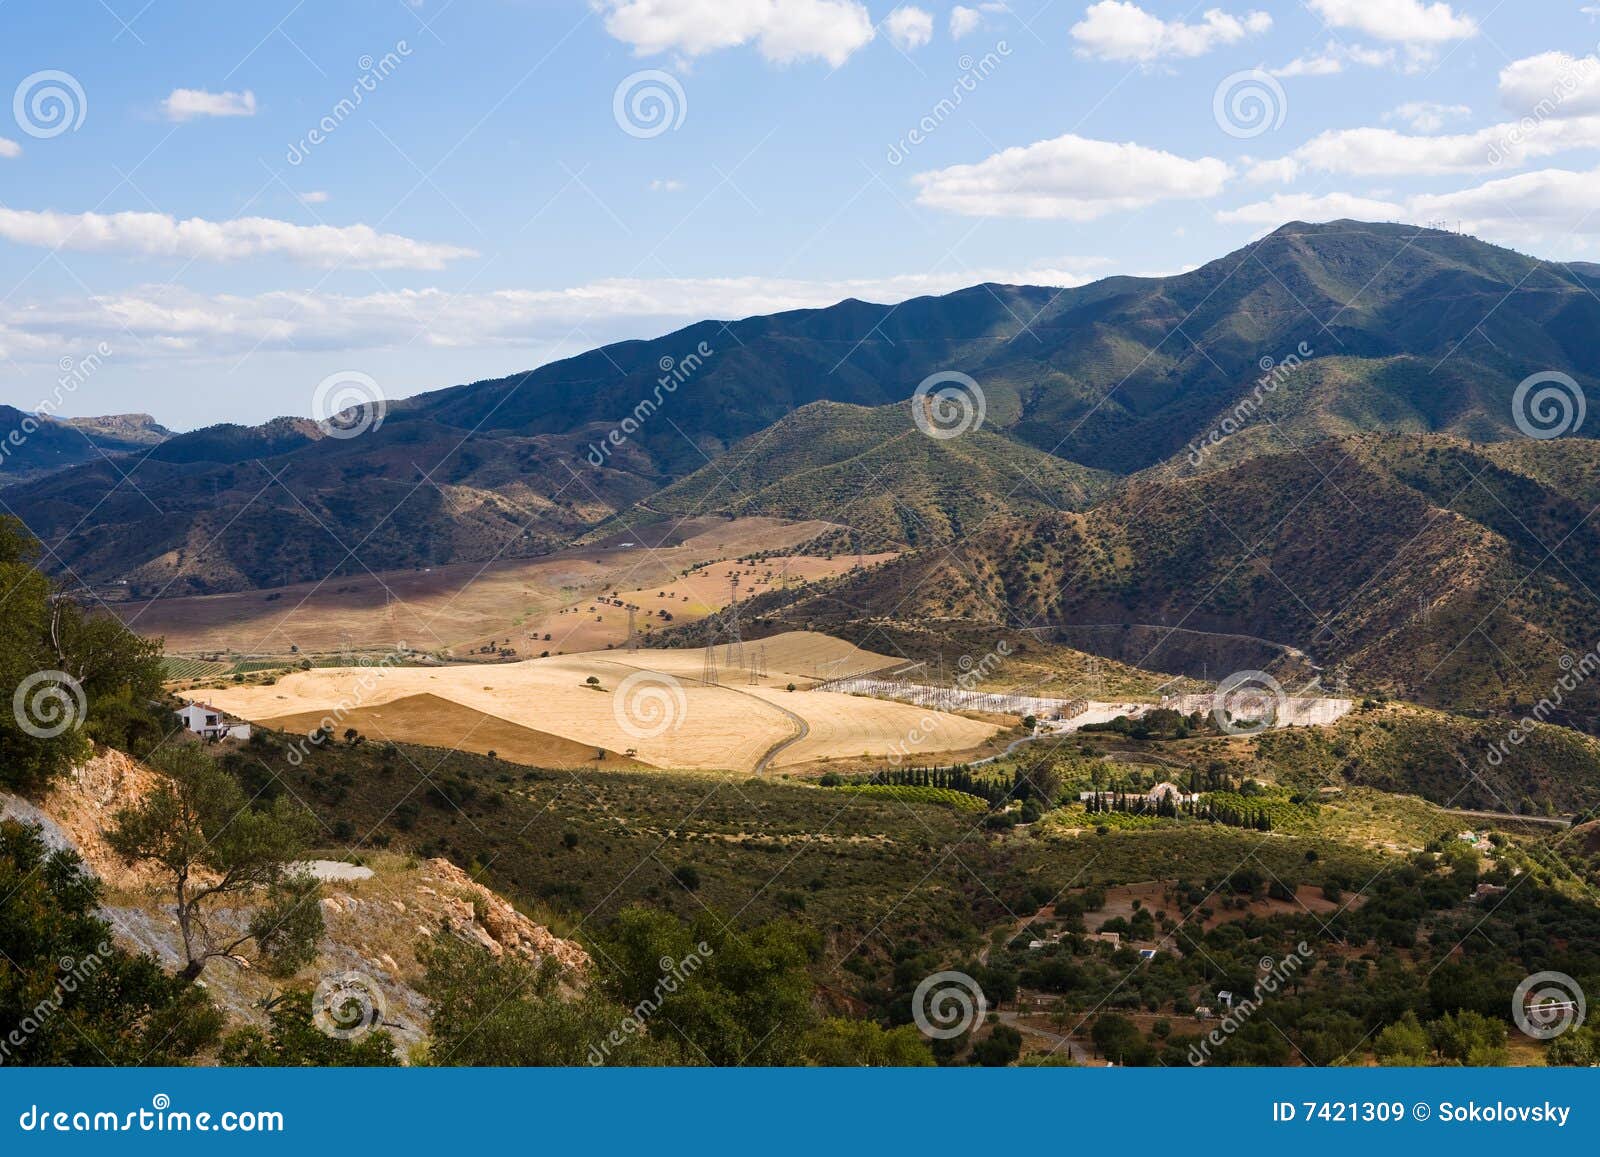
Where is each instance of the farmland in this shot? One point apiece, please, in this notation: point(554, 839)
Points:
point(456, 609)
point(653, 706)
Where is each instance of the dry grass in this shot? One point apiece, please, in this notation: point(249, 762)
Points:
point(436, 722)
point(731, 725)
point(461, 606)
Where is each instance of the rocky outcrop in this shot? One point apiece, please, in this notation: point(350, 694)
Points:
point(483, 917)
point(83, 803)
point(377, 913)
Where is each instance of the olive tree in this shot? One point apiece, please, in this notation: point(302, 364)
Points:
point(216, 849)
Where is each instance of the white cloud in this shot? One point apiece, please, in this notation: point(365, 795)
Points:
point(1552, 84)
point(1405, 21)
point(1332, 58)
point(154, 322)
point(1549, 203)
point(187, 103)
point(909, 27)
point(160, 235)
point(1117, 30)
point(1552, 206)
point(1069, 178)
point(1282, 207)
point(964, 20)
point(1426, 116)
point(1322, 64)
point(1376, 152)
point(665, 185)
point(313, 197)
point(782, 30)
point(1284, 169)
point(9, 148)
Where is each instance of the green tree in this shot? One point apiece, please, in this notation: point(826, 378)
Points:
point(843, 1043)
point(1469, 1038)
point(1578, 1047)
point(1001, 1047)
point(68, 995)
point(510, 1011)
point(292, 1038)
point(1403, 1043)
point(216, 851)
point(65, 676)
point(32, 750)
point(734, 996)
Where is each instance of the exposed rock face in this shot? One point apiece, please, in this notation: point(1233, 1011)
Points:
point(377, 915)
point(498, 926)
point(83, 803)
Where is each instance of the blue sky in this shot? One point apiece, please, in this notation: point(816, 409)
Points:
point(495, 199)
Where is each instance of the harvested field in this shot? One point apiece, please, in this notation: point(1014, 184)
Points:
point(436, 722)
point(652, 704)
point(599, 622)
point(460, 607)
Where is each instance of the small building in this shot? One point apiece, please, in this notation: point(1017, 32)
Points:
point(210, 722)
point(1225, 998)
point(1170, 791)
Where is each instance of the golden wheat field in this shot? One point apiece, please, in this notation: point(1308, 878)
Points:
point(649, 706)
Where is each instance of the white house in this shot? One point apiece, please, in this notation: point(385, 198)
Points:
point(210, 722)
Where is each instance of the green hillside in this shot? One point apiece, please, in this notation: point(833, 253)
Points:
point(874, 471)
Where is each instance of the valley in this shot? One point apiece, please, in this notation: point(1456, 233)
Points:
point(1141, 681)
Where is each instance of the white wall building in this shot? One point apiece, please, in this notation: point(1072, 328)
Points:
point(210, 722)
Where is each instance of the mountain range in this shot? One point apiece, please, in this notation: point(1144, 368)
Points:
point(44, 445)
point(1317, 439)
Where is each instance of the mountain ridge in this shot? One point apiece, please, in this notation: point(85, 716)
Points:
point(1369, 328)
